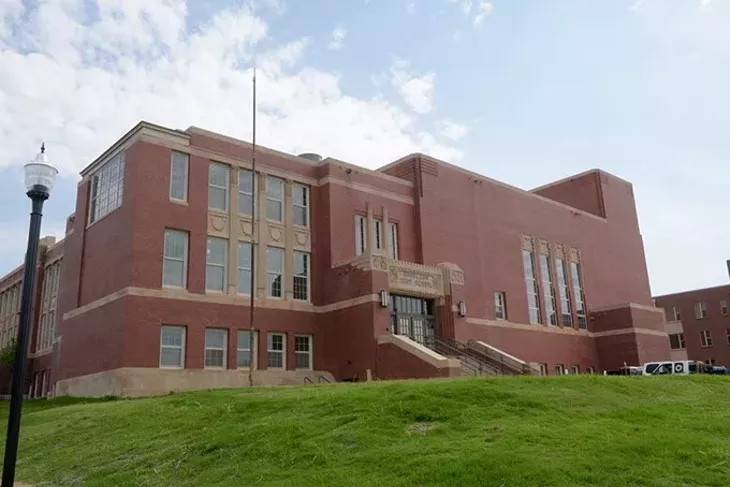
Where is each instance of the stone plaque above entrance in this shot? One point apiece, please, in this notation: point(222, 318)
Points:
point(407, 277)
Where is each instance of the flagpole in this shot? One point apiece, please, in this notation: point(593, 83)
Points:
point(253, 345)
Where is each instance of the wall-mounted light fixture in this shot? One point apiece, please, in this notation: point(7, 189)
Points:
point(462, 309)
point(384, 298)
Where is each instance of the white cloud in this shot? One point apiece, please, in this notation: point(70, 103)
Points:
point(80, 83)
point(705, 3)
point(452, 130)
point(338, 35)
point(476, 11)
point(416, 91)
point(411, 8)
point(483, 10)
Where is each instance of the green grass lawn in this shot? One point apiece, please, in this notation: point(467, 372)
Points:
point(608, 431)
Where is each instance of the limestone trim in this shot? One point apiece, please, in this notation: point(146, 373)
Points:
point(41, 353)
point(410, 277)
point(626, 331)
point(628, 305)
point(366, 188)
point(426, 354)
point(221, 298)
point(598, 172)
point(564, 331)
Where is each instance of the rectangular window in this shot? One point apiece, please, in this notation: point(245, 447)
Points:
point(179, 176)
point(548, 290)
point(300, 200)
point(559, 369)
point(676, 341)
point(245, 192)
point(393, 241)
point(276, 351)
point(590, 370)
point(215, 348)
point(360, 234)
point(243, 274)
point(216, 264)
point(566, 313)
point(218, 180)
point(274, 271)
point(723, 307)
point(543, 369)
point(107, 186)
point(301, 275)
point(275, 199)
point(500, 311)
point(705, 338)
point(673, 314)
point(303, 351)
point(727, 335)
point(533, 301)
point(575, 370)
point(246, 349)
point(172, 347)
point(700, 310)
point(175, 263)
point(578, 296)
point(377, 234)
point(677, 314)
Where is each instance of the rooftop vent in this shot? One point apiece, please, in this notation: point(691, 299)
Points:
point(311, 156)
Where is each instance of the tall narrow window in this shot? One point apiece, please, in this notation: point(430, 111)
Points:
point(565, 311)
point(533, 301)
point(245, 192)
point(301, 275)
point(677, 314)
point(303, 351)
point(543, 369)
point(377, 234)
point(172, 347)
point(580, 310)
point(706, 338)
point(700, 310)
point(174, 265)
point(243, 275)
point(218, 177)
point(276, 351)
point(179, 176)
point(360, 234)
point(275, 199)
point(500, 311)
point(727, 335)
point(215, 348)
point(274, 271)
point(723, 307)
point(216, 264)
point(107, 185)
point(246, 350)
point(300, 197)
point(548, 290)
point(676, 341)
point(393, 241)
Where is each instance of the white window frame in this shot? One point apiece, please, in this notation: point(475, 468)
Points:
point(393, 240)
point(500, 308)
point(559, 369)
point(186, 160)
point(181, 347)
point(246, 193)
point(240, 268)
point(575, 370)
point(680, 341)
point(548, 290)
point(590, 370)
point(727, 335)
point(361, 237)
point(723, 307)
point(281, 273)
point(269, 350)
point(224, 265)
point(701, 310)
point(279, 200)
point(309, 352)
point(531, 286)
point(224, 187)
point(295, 188)
point(106, 191)
point(377, 234)
point(576, 271)
point(224, 349)
point(308, 275)
point(705, 338)
point(566, 309)
point(543, 369)
point(184, 260)
point(252, 350)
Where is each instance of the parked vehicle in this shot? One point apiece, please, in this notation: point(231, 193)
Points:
point(717, 370)
point(677, 367)
point(628, 370)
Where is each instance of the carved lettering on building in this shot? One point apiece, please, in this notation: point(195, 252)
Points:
point(415, 280)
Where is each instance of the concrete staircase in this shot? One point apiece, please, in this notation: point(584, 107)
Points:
point(479, 359)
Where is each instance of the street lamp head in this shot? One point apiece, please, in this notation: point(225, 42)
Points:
point(40, 175)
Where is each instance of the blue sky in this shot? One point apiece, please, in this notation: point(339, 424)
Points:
point(524, 91)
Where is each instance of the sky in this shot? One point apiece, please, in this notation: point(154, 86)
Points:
point(523, 91)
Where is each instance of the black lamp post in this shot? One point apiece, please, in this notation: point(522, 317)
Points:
point(39, 177)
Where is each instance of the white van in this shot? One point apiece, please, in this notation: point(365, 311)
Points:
point(677, 367)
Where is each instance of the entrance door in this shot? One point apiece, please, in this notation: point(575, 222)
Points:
point(414, 318)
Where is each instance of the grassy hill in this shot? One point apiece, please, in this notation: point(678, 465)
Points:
point(608, 431)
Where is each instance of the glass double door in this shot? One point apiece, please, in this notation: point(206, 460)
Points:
point(414, 318)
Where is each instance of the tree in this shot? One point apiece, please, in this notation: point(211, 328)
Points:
point(7, 354)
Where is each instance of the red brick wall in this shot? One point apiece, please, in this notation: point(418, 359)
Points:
point(583, 192)
point(349, 341)
point(396, 363)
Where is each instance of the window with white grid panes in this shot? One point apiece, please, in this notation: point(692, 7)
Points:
point(215, 348)
point(172, 347)
point(559, 369)
point(303, 351)
point(246, 349)
point(723, 307)
point(243, 274)
point(706, 338)
point(218, 183)
point(179, 176)
point(566, 314)
point(275, 199)
point(533, 299)
point(548, 291)
point(216, 264)
point(377, 237)
point(301, 275)
point(360, 234)
point(578, 296)
point(245, 192)
point(500, 310)
point(274, 272)
point(393, 240)
point(174, 263)
point(107, 185)
point(276, 351)
point(676, 341)
point(300, 201)
point(700, 310)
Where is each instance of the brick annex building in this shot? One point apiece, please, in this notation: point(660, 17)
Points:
point(392, 273)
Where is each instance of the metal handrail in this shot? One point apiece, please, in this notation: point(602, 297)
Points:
point(504, 361)
point(322, 378)
point(468, 359)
